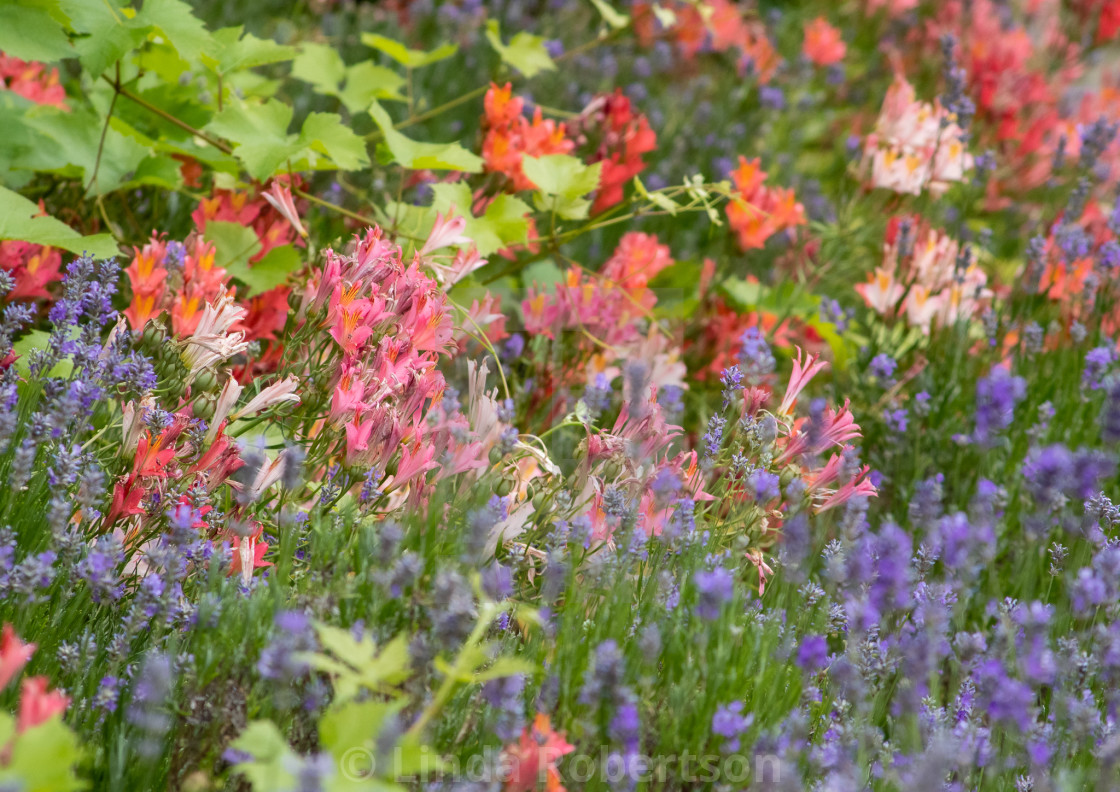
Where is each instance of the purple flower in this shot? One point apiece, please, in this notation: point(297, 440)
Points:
point(604, 678)
point(505, 695)
point(896, 420)
point(763, 486)
point(812, 654)
point(713, 438)
point(730, 724)
point(755, 357)
point(883, 366)
point(1097, 363)
point(99, 569)
point(151, 692)
point(1110, 414)
point(715, 588)
point(293, 635)
point(996, 397)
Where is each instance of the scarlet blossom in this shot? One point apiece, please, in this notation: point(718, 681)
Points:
point(14, 655)
point(823, 43)
point(32, 267)
point(38, 705)
point(534, 756)
point(625, 137)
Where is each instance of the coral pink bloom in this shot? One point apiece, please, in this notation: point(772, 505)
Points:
point(14, 655)
point(799, 378)
point(823, 44)
point(347, 398)
point(37, 704)
point(358, 433)
point(533, 758)
point(415, 461)
point(839, 427)
point(859, 485)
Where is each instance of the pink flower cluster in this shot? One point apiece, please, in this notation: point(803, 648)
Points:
point(922, 278)
point(390, 323)
point(915, 145)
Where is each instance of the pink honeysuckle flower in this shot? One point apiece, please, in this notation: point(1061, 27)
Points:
point(447, 232)
point(858, 485)
point(37, 704)
point(799, 378)
point(281, 199)
point(14, 655)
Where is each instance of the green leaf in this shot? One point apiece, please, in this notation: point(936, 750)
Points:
point(504, 223)
point(45, 758)
point(104, 33)
point(271, 271)
point(359, 664)
point(68, 144)
point(235, 52)
point(19, 220)
point(658, 199)
point(423, 156)
point(525, 52)
point(561, 174)
point(354, 724)
point(260, 134)
point(561, 180)
point(159, 171)
point(38, 339)
point(270, 752)
point(504, 667)
point(320, 65)
point(175, 21)
point(410, 58)
point(615, 19)
point(326, 134)
point(234, 243)
point(31, 33)
point(367, 81)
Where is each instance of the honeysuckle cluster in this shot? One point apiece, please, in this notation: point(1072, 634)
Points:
point(925, 276)
point(772, 463)
point(916, 146)
point(389, 324)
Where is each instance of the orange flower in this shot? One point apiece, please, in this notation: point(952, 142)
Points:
point(533, 758)
point(823, 44)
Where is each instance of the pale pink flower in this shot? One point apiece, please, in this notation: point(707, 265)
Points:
point(799, 378)
point(447, 232)
point(281, 199)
